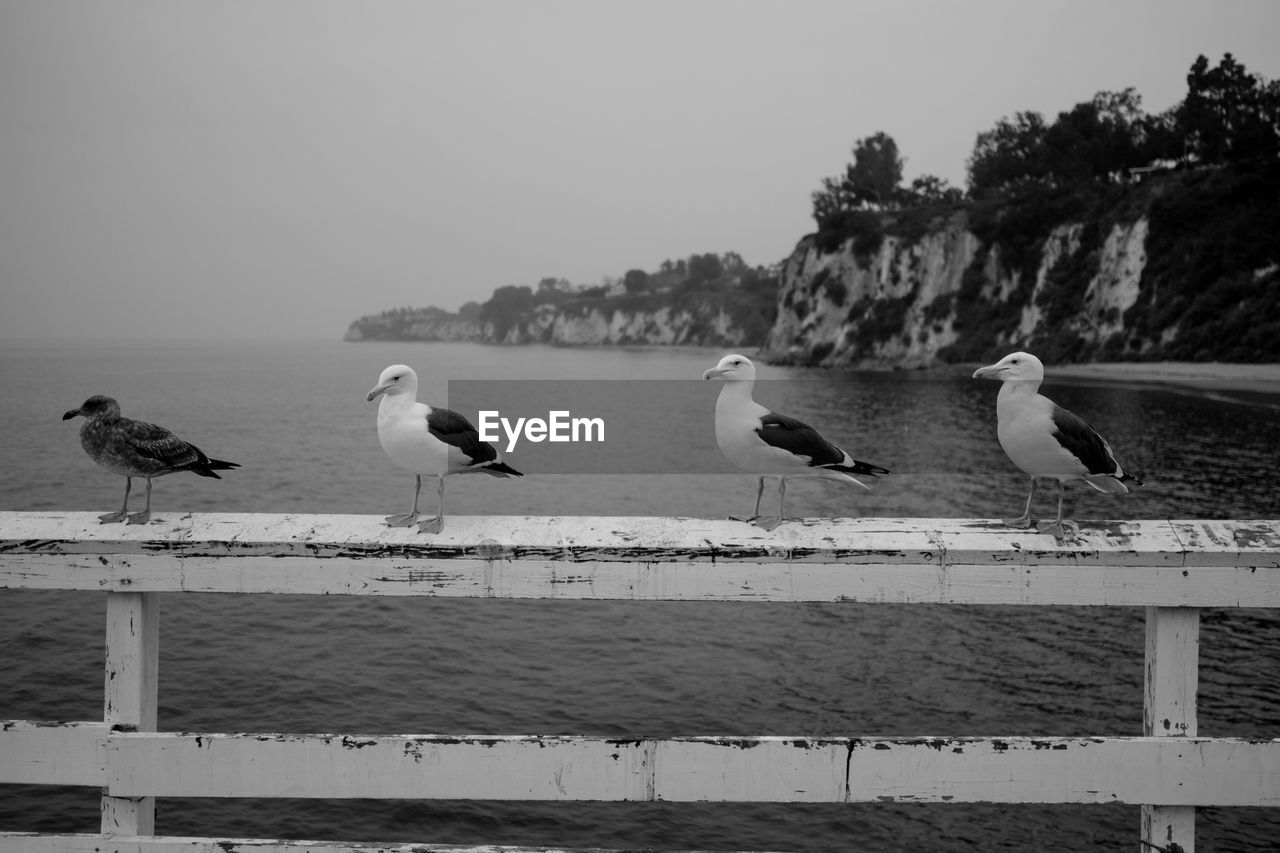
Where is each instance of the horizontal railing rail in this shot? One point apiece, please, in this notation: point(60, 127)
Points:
point(1210, 771)
point(1171, 568)
point(910, 561)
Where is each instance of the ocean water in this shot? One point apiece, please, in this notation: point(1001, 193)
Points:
point(295, 416)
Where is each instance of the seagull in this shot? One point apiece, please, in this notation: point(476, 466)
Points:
point(1047, 441)
point(766, 444)
point(428, 440)
point(137, 449)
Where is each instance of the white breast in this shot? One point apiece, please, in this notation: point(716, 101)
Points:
point(1026, 432)
point(402, 432)
point(737, 419)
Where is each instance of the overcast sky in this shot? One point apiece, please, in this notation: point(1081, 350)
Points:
point(276, 169)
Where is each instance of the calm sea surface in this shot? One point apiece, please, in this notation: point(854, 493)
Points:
point(295, 416)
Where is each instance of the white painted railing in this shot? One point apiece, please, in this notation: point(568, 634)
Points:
point(1172, 568)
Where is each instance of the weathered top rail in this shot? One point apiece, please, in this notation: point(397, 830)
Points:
point(1169, 567)
point(944, 561)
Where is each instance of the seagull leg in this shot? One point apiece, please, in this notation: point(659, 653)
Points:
point(408, 520)
point(771, 523)
point(124, 508)
point(144, 516)
point(1023, 521)
point(756, 513)
point(1060, 529)
point(435, 525)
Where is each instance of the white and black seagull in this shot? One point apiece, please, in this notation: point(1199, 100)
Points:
point(137, 449)
point(428, 440)
point(768, 444)
point(1045, 440)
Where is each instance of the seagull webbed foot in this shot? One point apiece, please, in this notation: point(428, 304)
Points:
point(1060, 530)
point(1021, 523)
point(431, 525)
point(407, 520)
point(140, 517)
point(747, 519)
point(767, 522)
point(112, 516)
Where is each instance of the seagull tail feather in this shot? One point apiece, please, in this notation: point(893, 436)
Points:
point(207, 467)
point(1113, 483)
point(862, 468)
point(499, 468)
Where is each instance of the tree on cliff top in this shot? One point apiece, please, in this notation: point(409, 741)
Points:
point(1097, 139)
point(870, 181)
point(1229, 115)
point(636, 281)
point(873, 181)
point(876, 171)
point(1011, 154)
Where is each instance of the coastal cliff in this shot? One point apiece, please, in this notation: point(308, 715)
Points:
point(414, 324)
point(708, 300)
point(706, 321)
point(1101, 234)
point(1185, 267)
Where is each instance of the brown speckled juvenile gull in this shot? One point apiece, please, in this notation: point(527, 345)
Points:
point(137, 449)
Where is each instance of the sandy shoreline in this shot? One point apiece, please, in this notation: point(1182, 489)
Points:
point(1258, 378)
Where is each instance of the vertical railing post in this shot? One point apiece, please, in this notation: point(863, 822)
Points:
point(132, 679)
point(1169, 710)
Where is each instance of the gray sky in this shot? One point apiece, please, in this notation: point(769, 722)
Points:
point(257, 169)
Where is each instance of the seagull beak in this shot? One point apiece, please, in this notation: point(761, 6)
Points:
point(991, 371)
point(71, 414)
point(377, 392)
point(715, 372)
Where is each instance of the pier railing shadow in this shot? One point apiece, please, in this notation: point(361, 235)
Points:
point(1170, 568)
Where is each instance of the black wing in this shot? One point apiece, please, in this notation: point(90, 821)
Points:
point(456, 431)
point(798, 438)
point(1083, 442)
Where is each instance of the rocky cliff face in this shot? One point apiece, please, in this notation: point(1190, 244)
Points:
point(424, 324)
point(899, 306)
point(1185, 270)
point(706, 300)
point(663, 325)
point(888, 307)
point(715, 320)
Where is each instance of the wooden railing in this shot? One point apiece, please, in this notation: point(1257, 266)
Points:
point(1171, 568)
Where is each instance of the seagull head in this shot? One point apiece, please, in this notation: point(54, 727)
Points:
point(732, 368)
point(396, 379)
point(95, 407)
point(1014, 367)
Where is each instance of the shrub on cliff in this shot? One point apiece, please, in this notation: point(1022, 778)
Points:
point(505, 308)
point(865, 227)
